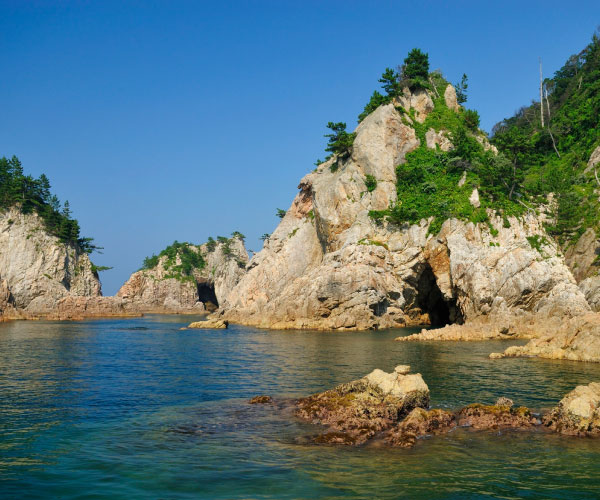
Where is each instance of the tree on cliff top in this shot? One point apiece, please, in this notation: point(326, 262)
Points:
point(33, 195)
point(415, 70)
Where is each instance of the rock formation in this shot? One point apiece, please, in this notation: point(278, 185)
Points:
point(165, 289)
point(328, 265)
point(37, 270)
point(356, 411)
point(578, 413)
point(392, 408)
point(574, 338)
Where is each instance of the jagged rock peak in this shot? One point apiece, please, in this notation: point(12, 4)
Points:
point(329, 265)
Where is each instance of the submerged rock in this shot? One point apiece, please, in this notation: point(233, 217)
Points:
point(260, 400)
point(366, 406)
point(419, 423)
point(482, 417)
point(578, 413)
point(392, 408)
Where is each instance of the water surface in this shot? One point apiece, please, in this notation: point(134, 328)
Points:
point(138, 408)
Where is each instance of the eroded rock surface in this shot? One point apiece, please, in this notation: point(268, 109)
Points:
point(578, 413)
point(575, 339)
point(419, 423)
point(356, 411)
point(37, 270)
point(158, 290)
point(486, 417)
point(392, 408)
point(210, 323)
point(328, 265)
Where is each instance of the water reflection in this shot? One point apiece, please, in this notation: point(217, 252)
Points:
point(139, 408)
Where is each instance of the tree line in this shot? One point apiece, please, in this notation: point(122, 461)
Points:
point(34, 195)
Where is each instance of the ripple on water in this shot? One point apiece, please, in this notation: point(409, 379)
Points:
point(137, 408)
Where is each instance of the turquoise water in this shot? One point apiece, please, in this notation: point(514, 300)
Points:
point(137, 408)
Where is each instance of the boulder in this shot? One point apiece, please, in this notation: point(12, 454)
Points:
point(354, 412)
point(485, 417)
point(210, 323)
point(260, 400)
point(578, 413)
point(418, 423)
point(450, 98)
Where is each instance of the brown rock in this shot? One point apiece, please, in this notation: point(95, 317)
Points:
point(419, 423)
point(482, 417)
point(360, 409)
point(260, 400)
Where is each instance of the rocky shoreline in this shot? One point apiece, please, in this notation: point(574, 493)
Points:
point(392, 409)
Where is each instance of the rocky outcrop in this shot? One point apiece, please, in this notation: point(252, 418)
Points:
point(593, 161)
point(419, 423)
point(578, 413)
point(163, 290)
point(37, 270)
point(209, 324)
point(356, 411)
point(328, 265)
point(451, 99)
point(392, 409)
point(583, 257)
point(484, 417)
point(575, 339)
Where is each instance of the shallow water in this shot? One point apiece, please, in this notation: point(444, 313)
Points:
point(137, 408)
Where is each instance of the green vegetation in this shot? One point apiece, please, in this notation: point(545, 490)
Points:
point(280, 213)
point(98, 269)
point(553, 158)
point(33, 195)
point(181, 260)
point(211, 244)
point(536, 242)
point(461, 89)
point(415, 71)
point(370, 182)
point(427, 183)
point(340, 142)
point(413, 74)
point(377, 243)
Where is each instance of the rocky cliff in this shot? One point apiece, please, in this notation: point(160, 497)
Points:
point(169, 286)
point(329, 265)
point(37, 270)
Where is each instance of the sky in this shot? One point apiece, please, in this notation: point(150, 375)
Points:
point(180, 120)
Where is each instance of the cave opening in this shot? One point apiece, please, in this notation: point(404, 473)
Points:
point(431, 301)
point(206, 295)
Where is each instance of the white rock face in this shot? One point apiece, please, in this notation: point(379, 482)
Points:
point(438, 139)
point(396, 384)
point(153, 290)
point(594, 160)
point(36, 269)
point(328, 265)
point(450, 98)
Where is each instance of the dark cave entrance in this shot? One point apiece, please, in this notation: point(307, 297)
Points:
point(206, 295)
point(431, 301)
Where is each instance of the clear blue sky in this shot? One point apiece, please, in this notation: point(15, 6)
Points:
point(164, 120)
